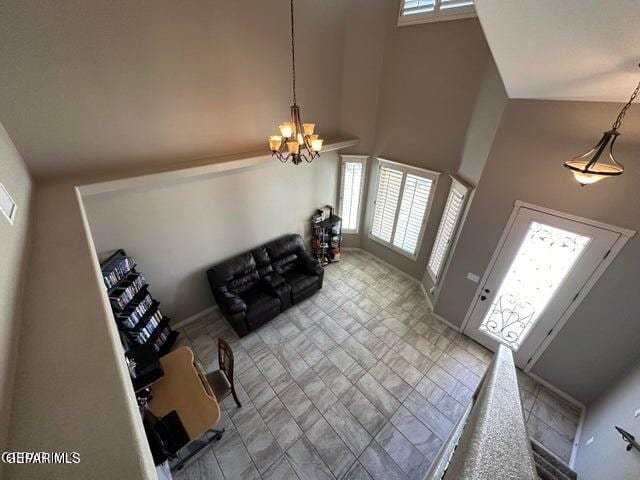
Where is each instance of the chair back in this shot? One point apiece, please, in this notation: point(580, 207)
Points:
point(225, 359)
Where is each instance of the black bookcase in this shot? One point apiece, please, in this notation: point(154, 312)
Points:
point(326, 239)
point(136, 312)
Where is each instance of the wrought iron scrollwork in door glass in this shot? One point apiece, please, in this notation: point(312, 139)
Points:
point(544, 259)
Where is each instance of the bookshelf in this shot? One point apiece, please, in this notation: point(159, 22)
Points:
point(326, 239)
point(135, 311)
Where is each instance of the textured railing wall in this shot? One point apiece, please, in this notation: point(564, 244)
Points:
point(490, 442)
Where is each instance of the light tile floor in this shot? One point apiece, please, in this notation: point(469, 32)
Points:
point(357, 382)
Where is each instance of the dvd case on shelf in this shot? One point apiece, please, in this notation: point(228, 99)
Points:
point(135, 310)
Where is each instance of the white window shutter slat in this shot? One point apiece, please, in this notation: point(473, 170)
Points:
point(412, 213)
point(389, 183)
point(419, 11)
point(350, 195)
point(446, 231)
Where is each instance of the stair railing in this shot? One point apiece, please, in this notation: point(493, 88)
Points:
point(490, 441)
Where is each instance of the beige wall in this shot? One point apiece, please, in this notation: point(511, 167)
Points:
point(525, 163)
point(177, 231)
point(72, 391)
point(111, 84)
point(429, 84)
point(606, 457)
point(487, 113)
point(14, 240)
point(367, 23)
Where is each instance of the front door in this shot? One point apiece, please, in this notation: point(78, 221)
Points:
point(540, 268)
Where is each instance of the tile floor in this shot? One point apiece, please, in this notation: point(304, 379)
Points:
point(357, 382)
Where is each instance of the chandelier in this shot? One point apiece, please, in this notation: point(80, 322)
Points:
point(297, 140)
point(588, 168)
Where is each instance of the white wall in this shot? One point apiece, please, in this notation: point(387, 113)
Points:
point(14, 241)
point(72, 390)
point(606, 457)
point(177, 231)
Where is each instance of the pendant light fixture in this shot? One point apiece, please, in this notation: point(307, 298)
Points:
point(297, 140)
point(589, 168)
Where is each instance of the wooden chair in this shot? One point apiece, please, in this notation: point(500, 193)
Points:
point(221, 380)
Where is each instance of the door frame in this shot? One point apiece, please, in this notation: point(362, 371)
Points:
point(625, 235)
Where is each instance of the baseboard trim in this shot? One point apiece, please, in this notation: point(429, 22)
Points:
point(557, 391)
point(434, 314)
point(393, 267)
point(426, 296)
point(447, 322)
point(195, 317)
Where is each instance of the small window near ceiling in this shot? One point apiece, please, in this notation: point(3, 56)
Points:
point(424, 11)
point(447, 230)
point(351, 186)
point(7, 205)
point(402, 202)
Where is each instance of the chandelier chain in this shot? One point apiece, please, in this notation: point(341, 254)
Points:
point(293, 55)
point(623, 112)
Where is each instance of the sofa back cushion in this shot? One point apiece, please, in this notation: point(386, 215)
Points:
point(236, 275)
point(263, 262)
point(284, 252)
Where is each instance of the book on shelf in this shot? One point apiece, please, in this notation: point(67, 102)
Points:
point(132, 315)
point(159, 343)
point(136, 312)
point(121, 296)
point(146, 332)
point(116, 270)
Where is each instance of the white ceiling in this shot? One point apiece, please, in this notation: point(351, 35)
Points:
point(564, 50)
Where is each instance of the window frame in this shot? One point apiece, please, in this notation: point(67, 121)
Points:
point(352, 159)
point(436, 277)
point(10, 216)
point(373, 192)
point(436, 15)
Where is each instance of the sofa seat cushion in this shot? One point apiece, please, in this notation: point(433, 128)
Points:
point(261, 306)
point(300, 281)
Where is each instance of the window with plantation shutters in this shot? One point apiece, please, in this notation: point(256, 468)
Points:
point(384, 216)
point(352, 183)
point(401, 207)
point(422, 11)
point(446, 231)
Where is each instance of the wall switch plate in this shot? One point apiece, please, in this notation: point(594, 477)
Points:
point(637, 413)
point(473, 277)
point(590, 441)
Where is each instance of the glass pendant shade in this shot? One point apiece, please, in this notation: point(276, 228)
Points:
point(594, 165)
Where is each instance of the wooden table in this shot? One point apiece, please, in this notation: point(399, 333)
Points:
point(184, 388)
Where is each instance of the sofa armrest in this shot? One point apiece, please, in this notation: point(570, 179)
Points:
point(231, 302)
point(276, 280)
point(272, 283)
point(310, 264)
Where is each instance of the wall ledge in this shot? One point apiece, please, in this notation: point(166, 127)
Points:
point(210, 166)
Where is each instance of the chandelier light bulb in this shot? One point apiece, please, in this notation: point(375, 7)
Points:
point(286, 129)
point(274, 142)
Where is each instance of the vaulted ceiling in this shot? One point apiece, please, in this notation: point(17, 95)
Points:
point(564, 50)
point(110, 84)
